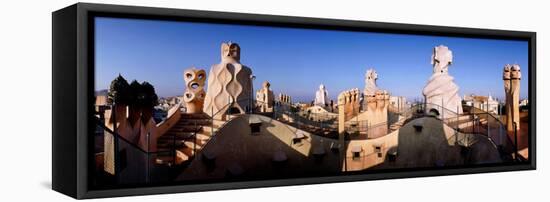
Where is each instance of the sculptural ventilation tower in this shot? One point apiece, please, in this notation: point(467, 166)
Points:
point(229, 83)
point(441, 93)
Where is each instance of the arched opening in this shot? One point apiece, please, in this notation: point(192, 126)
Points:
point(433, 112)
point(195, 85)
point(234, 110)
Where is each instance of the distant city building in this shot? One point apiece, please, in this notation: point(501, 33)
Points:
point(165, 103)
point(321, 96)
point(101, 105)
point(159, 114)
point(523, 102)
point(174, 101)
point(398, 102)
point(302, 105)
point(485, 103)
point(101, 100)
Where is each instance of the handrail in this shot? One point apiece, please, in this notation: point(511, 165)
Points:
point(195, 138)
point(485, 112)
point(174, 109)
point(223, 109)
point(490, 118)
point(502, 129)
point(321, 114)
point(253, 101)
point(220, 110)
point(102, 125)
point(148, 169)
point(212, 118)
point(296, 115)
point(281, 108)
point(424, 104)
point(322, 124)
point(359, 123)
point(172, 117)
point(515, 140)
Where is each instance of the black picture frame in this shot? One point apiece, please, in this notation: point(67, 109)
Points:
point(73, 87)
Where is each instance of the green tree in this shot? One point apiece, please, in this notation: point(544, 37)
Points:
point(119, 91)
point(150, 98)
point(137, 95)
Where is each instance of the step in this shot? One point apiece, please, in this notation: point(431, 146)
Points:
point(483, 121)
point(218, 123)
point(183, 128)
point(190, 144)
point(180, 134)
point(194, 116)
point(165, 145)
point(164, 160)
point(203, 137)
point(185, 152)
point(199, 136)
point(207, 130)
point(174, 138)
point(192, 122)
point(460, 118)
point(203, 141)
point(466, 123)
point(182, 156)
point(459, 123)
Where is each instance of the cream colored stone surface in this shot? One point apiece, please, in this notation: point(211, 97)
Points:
point(321, 96)
point(437, 144)
point(441, 91)
point(123, 128)
point(261, 155)
point(317, 113)
point(512, 77)
point(370, 82)
point(341, 114)
point(376, 111)
point(265, 98)
point(398, 103)
point(228, 82)
point(194, 90)
point(351, 103)
point(285, 99)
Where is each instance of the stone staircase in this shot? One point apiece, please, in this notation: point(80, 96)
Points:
point(465, 124)
point(181, 137)
point(462, 122)
point(398, 124)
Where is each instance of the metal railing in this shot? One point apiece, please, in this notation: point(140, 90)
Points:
point(478, 121)
point(486, 123)
point(142, 159)
point(228, 116)
point(290, 115)
point(366, 130)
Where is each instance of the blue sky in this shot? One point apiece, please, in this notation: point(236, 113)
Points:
point(296, 61)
